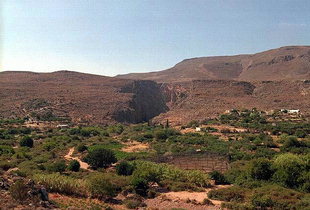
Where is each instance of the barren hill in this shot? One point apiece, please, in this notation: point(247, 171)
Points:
point(80, 97)
point(202, 99)
point(193, 89)
point(285, 63)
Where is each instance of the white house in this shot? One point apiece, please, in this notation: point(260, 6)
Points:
point(198, 129)
point(62, 126)
point(293, 111)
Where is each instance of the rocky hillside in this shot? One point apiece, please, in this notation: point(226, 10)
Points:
point(285, 63)
point(193, 89)
point(202, 99)
point(80, 97)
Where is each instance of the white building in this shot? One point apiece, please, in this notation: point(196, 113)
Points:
point(291, 111)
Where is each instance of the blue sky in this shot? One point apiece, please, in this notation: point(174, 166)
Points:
point(121, 36)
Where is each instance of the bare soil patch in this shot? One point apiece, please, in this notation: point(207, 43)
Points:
point(135, 146)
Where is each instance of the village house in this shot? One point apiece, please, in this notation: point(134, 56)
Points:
point(291, 111)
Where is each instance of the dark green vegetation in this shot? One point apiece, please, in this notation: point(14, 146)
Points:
point(100, 157)
point(269, 164)
point(275, 123)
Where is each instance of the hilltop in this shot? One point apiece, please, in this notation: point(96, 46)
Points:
point(285, 63)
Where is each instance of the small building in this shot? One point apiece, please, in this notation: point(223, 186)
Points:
point(198, 129)
point(62, 126)
point(290, 111)
point(293, 111)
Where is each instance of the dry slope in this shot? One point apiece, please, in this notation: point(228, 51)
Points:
point(285, 63)
point(81, 97)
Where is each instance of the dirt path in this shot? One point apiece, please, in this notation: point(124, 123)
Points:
point(70, 157)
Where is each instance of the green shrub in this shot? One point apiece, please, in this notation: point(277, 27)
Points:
point(288, 168)
point(81, 148)
point(193, 124)
point(218, 177)
point(165, 133)
point(49, 145)
point(118, 129)
point(28, 167)
point(89, 131)
point(124, 168)
point(176, 186)
point(62, 184)
point(153, 172)
point(74, 131)
point(304, 203)
point(262, 201)
point(161, 135)
point(74, 165)
point(275, 197)
point(58, 166)
point(140, 186)
point(237, 169)
point(290, 142)
point(206, 201)
point(25, 131)
point(133, 202)
point(106, 186)
point(5, 165)
point(236, 205)
point(235, 193)
point(100, 157)
point(260, 169)
point(6, 150)
point(19, 191)
point(26, 141)
point(300, 133)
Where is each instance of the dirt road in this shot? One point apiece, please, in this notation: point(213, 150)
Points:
point(70, 157)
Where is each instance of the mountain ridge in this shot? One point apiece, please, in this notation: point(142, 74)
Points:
point(194, 89)
point(284, 63)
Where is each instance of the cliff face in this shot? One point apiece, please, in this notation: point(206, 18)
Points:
point(83, 98)
point(147, 102)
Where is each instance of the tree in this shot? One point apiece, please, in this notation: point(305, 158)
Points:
point(261, 169)
point(74, 165)
point(100, 158)
point(167, 123)
point(300, 133)
point(218, 177)
point(81, 148)
point(140, 186)
point(124, 168)
point(289, 168)
point(103, 186)
point(26, 141)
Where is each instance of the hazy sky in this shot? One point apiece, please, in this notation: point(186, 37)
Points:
point(114, 37)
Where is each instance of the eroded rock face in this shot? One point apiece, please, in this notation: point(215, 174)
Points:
point(147, 102)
